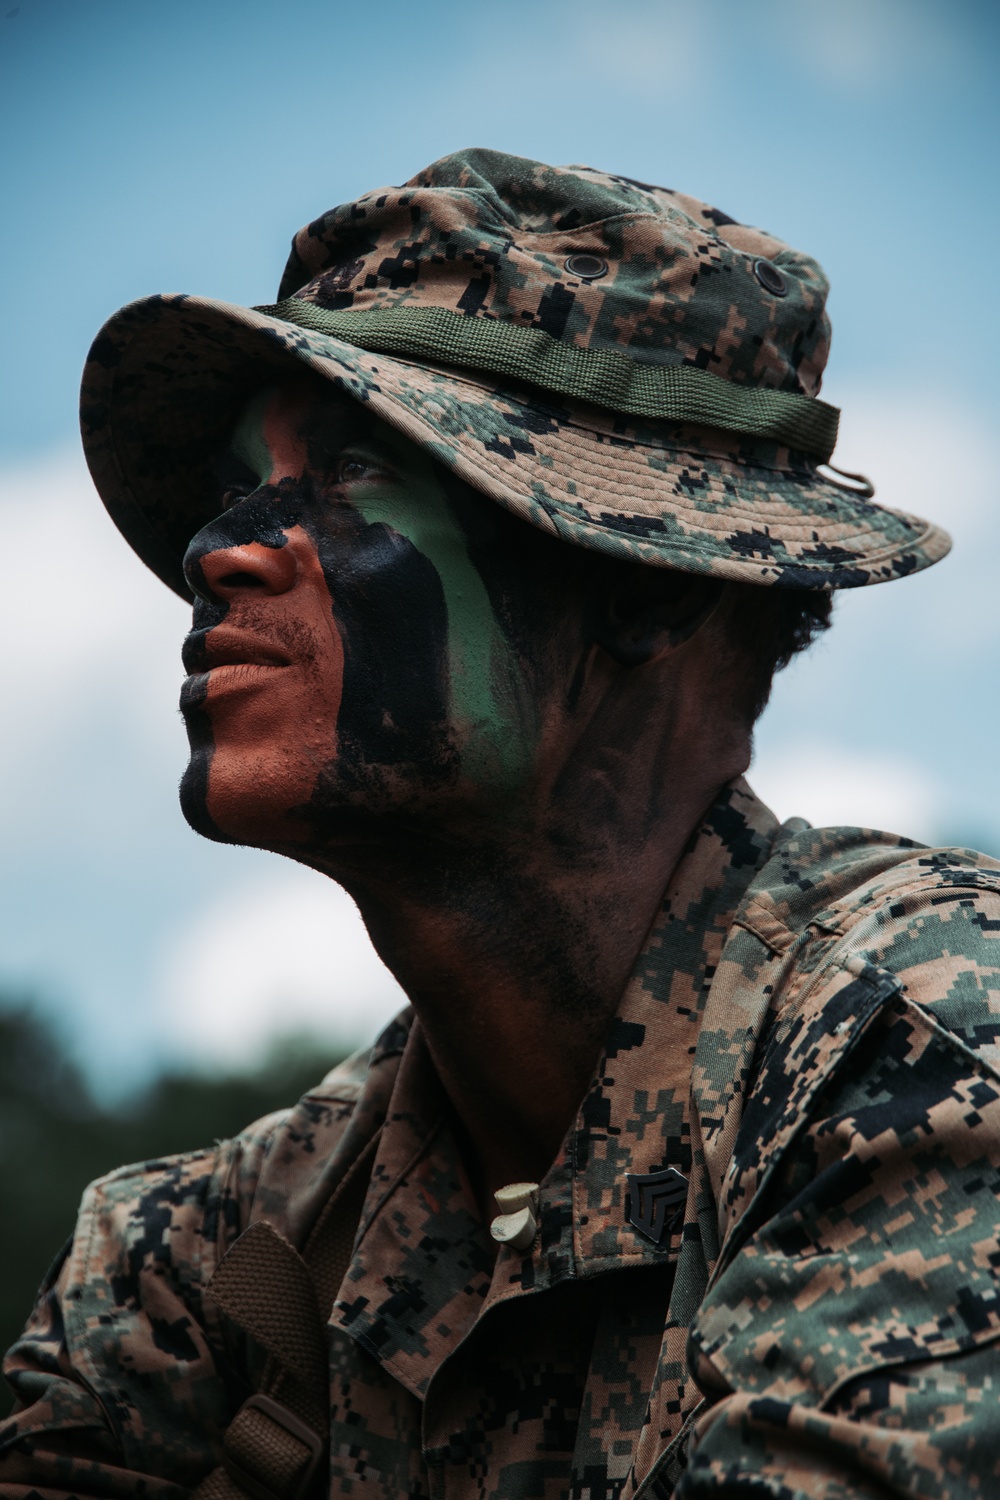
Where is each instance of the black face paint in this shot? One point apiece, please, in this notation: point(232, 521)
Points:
point(262, 517)
point(390, 609)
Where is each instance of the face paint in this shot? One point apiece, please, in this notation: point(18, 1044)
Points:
point(491, 715)
point(346, 655)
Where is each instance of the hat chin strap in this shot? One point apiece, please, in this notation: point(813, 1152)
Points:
point(859, 484)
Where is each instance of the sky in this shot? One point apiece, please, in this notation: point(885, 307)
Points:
point(153, 146)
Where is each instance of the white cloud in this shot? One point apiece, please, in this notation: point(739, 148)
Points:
point(889, 720)
point(90, 622)
point(671, 49)
point(289, 953)
point(935, 458)
point(861, 43)
point(656, 46)
point(925, 452)
point(831, 785)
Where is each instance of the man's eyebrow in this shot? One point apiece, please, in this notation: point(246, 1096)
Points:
point(334, 427)
point(227, 465)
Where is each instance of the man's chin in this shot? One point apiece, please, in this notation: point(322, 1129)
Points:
point(194, 799)
point(238, 811)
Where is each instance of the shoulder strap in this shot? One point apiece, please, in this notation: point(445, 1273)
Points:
point(274, 1446)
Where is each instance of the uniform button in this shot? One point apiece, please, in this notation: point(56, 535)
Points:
point(770, 278)
point(516, 1224)
point(587, 267)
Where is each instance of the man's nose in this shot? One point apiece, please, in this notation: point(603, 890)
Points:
point(232, 572)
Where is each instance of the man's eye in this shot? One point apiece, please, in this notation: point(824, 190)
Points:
point(352, 470)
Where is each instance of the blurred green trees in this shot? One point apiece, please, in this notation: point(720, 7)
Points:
point(55, 1138)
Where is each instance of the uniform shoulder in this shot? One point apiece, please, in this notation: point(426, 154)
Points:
point(828, 877)
point(211, 1195)
point(303, 1152)
point(129, 1293)
point(833, 903)
point(197, 1202)
point(347, 1078)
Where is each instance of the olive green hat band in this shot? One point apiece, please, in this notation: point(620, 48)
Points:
point(678, 393)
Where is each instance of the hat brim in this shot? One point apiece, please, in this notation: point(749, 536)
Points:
point(167, 377)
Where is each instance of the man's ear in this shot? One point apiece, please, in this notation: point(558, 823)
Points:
point(657, 612)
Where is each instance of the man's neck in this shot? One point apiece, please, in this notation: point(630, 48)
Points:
point(515, 959)
point(514, 927)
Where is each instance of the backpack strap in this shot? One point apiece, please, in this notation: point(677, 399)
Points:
point(274, 1446)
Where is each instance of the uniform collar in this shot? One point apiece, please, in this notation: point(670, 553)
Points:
point(423, 1269)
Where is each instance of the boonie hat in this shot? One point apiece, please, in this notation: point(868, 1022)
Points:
point(618, 364)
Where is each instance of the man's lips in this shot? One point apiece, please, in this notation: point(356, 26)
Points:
point(246, 656)
point(231, 648)
point(222, 662)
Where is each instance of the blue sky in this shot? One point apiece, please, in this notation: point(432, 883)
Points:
point(152, 146)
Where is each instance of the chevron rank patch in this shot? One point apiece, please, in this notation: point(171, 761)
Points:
point(654, 1199)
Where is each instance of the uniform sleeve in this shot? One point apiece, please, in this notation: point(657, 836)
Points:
point(120, 1378)
point(851, 1345)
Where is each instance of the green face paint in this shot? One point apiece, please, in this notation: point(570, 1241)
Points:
point(249, 441)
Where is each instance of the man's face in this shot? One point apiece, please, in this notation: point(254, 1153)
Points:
point(372, 638)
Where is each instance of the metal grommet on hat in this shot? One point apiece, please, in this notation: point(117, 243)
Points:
point(770, 278)
point(587, 267)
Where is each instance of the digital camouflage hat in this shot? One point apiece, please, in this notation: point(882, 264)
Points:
point(618, 364)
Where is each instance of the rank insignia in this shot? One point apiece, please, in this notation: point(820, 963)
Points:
point(653, 1201)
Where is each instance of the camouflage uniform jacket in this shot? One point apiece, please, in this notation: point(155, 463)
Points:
point(809, 1034)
